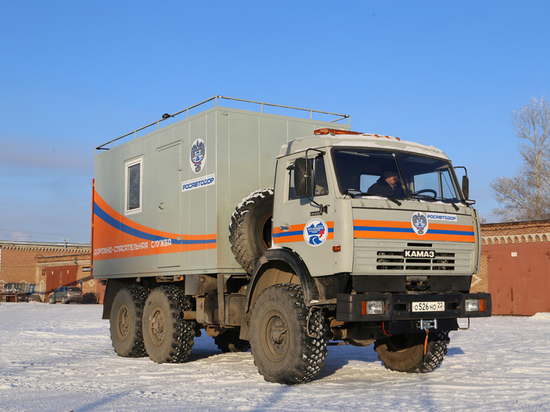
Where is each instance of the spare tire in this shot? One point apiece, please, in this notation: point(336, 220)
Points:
point(250, 228)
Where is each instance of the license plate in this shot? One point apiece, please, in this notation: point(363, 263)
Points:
point(428, 306)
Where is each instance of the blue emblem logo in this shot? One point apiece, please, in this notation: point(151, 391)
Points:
point(419, 223)
point(198, 155)
point(316, 232)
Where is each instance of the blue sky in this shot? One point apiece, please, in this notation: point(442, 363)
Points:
point(76, 74)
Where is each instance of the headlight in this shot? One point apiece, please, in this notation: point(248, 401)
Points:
point(373, 307)
point(474, 305)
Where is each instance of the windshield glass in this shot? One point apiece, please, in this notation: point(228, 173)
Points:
point(394, 175)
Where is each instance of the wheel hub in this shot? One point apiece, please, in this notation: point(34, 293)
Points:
point(276, 337)
point(158, 327)
point(123, 321)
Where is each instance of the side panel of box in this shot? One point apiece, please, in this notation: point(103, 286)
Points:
point(174, 230)
point(193, 175)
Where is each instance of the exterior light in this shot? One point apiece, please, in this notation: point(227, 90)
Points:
point(373, 307)
point(474, 305)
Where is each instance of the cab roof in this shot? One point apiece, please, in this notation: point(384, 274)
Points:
point(344, 138)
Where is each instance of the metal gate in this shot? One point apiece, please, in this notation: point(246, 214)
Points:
point(519, 278)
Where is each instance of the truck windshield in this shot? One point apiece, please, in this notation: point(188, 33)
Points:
point(394, 175)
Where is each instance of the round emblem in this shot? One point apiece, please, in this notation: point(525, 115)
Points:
point(316, 232)
point(198, 156)
point(419, 223)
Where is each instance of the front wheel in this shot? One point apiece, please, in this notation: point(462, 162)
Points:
point(405, 352)
point(283, 350)
point(51, 299)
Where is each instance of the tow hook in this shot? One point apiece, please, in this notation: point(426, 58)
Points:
point(427, 324)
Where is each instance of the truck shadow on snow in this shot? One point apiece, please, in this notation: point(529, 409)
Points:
point(339, 356)
point(359, 357)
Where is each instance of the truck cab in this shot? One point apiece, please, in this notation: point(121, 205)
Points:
point(381, 238)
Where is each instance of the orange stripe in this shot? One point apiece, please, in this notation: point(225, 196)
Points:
point(112, 243)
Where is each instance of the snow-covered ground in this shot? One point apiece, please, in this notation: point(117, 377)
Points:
point(59, 358)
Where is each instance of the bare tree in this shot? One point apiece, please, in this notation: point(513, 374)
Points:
point(527, 195)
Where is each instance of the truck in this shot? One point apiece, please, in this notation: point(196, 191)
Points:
point(278, 229)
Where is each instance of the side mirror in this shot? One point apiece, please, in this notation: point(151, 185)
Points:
point(466, 187)
point(303, 179)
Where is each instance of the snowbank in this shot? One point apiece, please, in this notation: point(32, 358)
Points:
point(59, 358)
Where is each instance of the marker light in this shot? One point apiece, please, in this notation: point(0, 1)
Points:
point(474, 305)
point(373, 307)
point(333, 131)
point(387, 137)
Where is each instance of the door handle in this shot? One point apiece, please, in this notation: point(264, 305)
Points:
point(284, 228)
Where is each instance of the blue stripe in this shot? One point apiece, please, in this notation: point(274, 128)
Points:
point(284, 234)
point(138, 233)
point(382, 229)
point(296, 233)
point(451, 232)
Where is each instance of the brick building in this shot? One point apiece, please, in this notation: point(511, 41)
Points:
point(38, 268)
point(515, 264)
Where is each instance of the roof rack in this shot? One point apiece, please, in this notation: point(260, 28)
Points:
point(110, 144)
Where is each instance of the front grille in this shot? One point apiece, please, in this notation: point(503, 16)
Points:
point(393, 260)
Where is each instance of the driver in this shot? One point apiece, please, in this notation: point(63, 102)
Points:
point(388, 185)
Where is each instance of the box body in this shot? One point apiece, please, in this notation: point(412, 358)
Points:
point(162, 203)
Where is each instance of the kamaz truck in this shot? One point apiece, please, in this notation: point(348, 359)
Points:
point(280, 230)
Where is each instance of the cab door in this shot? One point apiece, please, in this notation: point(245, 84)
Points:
point(303, 216)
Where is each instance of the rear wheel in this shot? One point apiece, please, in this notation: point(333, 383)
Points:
point(405, 352)
point(167, 336)
point(126, 321)
point(64, 300)
point(283, 350)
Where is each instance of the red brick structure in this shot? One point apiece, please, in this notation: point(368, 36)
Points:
point(39, 268)
point(515, 263)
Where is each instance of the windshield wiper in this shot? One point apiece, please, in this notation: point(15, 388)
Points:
point(394, 200)
point(353, 192)
point(420, 196)
point(451, 202)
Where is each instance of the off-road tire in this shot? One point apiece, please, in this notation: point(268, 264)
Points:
point(167, 336)
point(126, 322)
point(64, 300)
point(281, 347)
point(250, 228)
point(405, 353)
point(229, 342)
point(51, 299)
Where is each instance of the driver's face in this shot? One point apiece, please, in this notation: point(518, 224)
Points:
point(391, 178)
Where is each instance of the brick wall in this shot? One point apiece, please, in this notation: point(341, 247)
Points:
point(18, 263)
point(27, 263)
point(480, 281)
point(516, 232)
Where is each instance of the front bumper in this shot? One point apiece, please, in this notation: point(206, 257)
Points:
point(351, 308)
